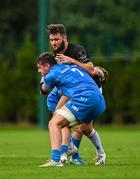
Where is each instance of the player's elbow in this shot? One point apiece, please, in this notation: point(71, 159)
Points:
point(43, 90)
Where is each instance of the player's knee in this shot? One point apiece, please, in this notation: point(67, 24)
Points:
point(68, 117)
point(52, 124)
point(86, 128)
point(58, 121)
point(77, 130)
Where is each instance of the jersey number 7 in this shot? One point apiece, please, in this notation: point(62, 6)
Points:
point(75, 69)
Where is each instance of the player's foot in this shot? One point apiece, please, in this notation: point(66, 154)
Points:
point(77, 161)
point(71, 150)
point(64, 158)
point(52, 163)
point(100, 159)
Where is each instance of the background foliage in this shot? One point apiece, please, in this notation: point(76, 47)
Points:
point(110, 31)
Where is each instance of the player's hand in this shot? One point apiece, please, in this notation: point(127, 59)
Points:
point(98, 72)
point(61, 58)
point(101, 73)
point(42, 80)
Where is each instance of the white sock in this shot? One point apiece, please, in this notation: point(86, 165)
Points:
point(95, 139)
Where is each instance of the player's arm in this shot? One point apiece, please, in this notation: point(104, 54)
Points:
point(88, 66)
point(62, 101)
point(100, 75)
point(43, 88)
point(98, 72)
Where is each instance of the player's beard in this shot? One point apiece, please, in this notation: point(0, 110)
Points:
point(60, 48)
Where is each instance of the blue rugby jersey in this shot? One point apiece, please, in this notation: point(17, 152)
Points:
point(70, 79)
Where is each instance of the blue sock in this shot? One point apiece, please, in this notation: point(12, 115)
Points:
point(55, 155)
point(64, 148)
point(76, 142)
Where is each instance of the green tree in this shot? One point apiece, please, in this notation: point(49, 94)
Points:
point(6, 85)
point(25, 86)
point(127, 93)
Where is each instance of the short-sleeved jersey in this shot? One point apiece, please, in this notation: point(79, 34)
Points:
point(77, 52)
point(70, 80)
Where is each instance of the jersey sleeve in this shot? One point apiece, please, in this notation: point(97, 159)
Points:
point(49, 80)
point(82, 55)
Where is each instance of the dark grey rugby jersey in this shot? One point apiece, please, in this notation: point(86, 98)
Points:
point(77, 52)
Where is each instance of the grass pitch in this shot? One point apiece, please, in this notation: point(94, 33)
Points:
point(23, 150)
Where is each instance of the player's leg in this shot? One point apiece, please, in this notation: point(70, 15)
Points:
point(76, 138)
point(62, 117)
point(92, 134)
point(69, 148)
point(94, 137)
point(56, 101)
point(66, 150)
point(65, 144)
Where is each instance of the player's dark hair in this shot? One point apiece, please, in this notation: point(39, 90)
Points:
point(46, 58)
point(56, 28)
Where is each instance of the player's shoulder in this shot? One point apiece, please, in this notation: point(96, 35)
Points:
point(53, 70)
point(56, 68)
point(77, 52)
point(78, 49)
point(76, 46)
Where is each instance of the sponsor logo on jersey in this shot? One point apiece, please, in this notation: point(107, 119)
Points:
point(75, 108)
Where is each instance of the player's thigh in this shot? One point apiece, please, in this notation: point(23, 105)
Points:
point(68, 115)
point(59, 121)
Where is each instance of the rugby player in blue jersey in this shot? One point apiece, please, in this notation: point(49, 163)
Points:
point(76, 54)
point(85, 102)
